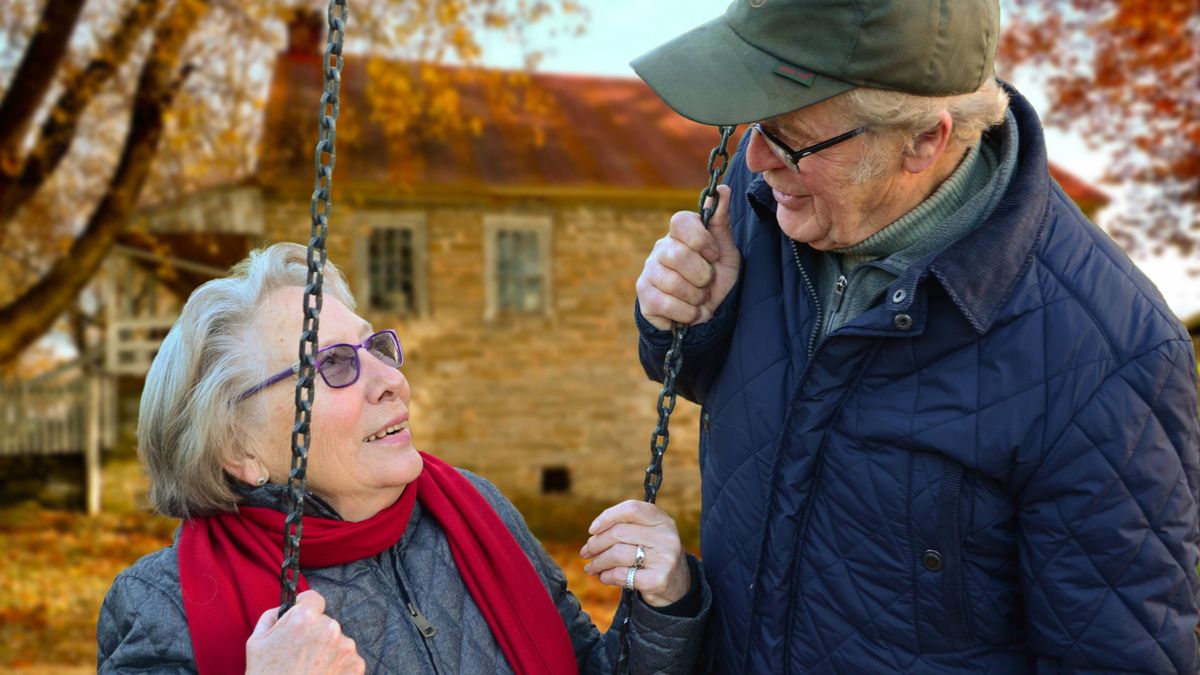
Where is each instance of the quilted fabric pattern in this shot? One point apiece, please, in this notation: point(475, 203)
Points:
point(1008, 485)
point(142, 626)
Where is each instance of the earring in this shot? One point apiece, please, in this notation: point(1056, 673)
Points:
point(260, 481)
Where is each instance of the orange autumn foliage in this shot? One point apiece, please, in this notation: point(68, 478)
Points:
point(1126, 75)
point(107, 105)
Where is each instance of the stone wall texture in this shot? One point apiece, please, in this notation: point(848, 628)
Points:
point(512, 396)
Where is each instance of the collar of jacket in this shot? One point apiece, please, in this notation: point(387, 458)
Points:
point(1006, 240)
point(275, 496)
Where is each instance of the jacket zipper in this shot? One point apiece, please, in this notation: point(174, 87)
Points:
point(812, 343)
point(812, 293)
point(818, 460)
point(424, 626)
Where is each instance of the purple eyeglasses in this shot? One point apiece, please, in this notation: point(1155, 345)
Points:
point(339, 365)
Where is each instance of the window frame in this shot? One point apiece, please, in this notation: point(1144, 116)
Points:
point(542, 225)
point(416, 223)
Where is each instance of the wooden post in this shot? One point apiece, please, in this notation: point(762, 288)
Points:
point(93, 395)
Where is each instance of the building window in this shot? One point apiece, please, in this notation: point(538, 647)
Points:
point(391, 261)
point(518, 271)
point(556, 480)
point(393, 274)
point(517, 252)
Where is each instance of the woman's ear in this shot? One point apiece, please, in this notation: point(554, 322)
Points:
point(244, 466)
point(929, 146)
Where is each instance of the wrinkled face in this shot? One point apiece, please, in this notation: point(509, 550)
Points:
point(822, 205)
point(355, 463)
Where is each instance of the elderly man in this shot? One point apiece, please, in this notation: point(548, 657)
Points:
point(947, 425)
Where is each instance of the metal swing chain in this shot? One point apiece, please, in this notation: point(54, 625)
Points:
point(671, 365)
point(320, 207)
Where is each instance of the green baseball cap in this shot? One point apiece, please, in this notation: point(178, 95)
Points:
point(763, 58)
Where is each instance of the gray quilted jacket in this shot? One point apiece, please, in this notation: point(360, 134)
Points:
point(142, 627)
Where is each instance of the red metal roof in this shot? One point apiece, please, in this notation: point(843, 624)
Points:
point(1076, 188)
point(597, 133)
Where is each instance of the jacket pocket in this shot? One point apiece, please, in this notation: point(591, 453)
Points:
point(950, 535)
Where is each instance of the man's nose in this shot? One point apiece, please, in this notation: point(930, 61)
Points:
point(759, 156)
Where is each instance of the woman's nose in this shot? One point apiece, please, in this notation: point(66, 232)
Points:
point(384, 382)
point(759, 156)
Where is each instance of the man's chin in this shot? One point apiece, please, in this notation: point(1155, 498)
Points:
point(798, 227)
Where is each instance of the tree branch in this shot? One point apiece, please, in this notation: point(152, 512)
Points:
point(58, 129)
point(33, 77)
point(33, 313)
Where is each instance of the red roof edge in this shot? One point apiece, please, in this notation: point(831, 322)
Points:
point(1078, 189)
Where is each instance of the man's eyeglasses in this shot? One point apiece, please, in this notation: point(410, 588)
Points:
point(792, 157)
point(339, 364)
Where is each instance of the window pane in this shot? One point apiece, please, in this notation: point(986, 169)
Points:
point(391, 270)
point(518, 271)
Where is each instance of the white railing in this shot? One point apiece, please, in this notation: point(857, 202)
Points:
point(132, 342)
point(43, 418)
point(68, 410)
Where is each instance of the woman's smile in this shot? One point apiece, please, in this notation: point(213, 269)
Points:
point(398, 437)
point(393, 432)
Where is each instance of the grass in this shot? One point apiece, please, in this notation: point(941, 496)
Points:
point(56, 568)
point(57, 565)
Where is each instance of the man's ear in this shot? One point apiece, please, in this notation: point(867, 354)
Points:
point(930, 146)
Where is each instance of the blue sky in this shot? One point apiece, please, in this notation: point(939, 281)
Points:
point(617, 31)
point(620, 30)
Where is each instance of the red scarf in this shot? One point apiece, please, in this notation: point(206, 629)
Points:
point(228, 571)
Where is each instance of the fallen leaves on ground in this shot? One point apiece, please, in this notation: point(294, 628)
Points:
point(56, 567)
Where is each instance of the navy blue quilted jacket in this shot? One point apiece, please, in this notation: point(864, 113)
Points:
point(994, 469)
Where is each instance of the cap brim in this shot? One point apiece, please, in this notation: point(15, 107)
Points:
point(712, 76)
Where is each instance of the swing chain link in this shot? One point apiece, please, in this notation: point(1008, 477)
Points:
point(718, 161)
point(319, 209)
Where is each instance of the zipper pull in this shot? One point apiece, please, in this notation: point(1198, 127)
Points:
point(841, 284)
point(427, 630)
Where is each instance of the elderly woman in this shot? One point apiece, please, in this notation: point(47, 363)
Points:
point(413, 566)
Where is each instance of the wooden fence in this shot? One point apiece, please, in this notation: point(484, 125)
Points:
point(68, 410)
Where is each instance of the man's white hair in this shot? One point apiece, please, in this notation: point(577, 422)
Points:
point(190, 418)
point(896, 119)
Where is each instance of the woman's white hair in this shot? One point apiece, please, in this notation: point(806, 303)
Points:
point(190, 418)
point(897, 118)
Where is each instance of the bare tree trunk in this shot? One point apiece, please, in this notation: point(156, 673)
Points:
point(33, 313)
point(22, 181)
point(33, 77)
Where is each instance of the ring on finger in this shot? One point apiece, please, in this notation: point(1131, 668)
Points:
point(629, 577)
point(640, 557)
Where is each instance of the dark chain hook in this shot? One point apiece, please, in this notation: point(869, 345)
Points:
point(718, 161)
point(319, 209)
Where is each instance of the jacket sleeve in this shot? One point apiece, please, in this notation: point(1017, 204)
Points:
point(706, 344)
point(1108, 526)
point(658, 642)
point(704, 349)
point(142, 629)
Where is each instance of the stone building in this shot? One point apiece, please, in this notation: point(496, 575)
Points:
point(507, 265)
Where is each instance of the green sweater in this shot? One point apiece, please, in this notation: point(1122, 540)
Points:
point(852, 279)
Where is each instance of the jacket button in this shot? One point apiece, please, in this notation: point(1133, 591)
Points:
point(932, 560)
point(902, 321)
point(899, 296)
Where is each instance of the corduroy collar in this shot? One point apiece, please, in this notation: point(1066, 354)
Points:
point(1008, 238)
